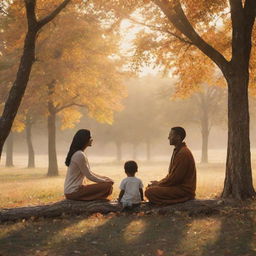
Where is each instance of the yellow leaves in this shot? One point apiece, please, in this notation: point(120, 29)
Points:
point(72, 55)
point(18, 125)
point(203, 10)
point(69, 118)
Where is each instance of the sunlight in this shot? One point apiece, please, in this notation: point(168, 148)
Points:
point(129, 30)
point(135, 229)
point(78, 229)
point(195, 230)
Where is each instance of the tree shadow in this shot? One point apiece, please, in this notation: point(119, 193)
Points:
point(235, 236)
point(31, 237)
point(129, 235)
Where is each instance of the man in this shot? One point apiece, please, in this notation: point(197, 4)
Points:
point(180, 183)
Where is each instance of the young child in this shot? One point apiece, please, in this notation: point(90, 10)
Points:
point(131, 193)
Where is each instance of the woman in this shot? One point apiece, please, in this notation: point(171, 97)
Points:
point(78, 169)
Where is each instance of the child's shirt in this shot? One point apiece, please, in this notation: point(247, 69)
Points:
point(131, 186)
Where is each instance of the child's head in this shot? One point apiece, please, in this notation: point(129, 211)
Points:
point(130, 168)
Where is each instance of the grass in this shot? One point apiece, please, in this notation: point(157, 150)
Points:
point(21, 187)
point(229, 234)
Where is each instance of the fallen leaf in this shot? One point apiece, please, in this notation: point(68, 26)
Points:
point(159, 252)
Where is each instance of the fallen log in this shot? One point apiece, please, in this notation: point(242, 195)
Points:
point(69, 207)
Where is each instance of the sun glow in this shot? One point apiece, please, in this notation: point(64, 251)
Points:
point(129, 31)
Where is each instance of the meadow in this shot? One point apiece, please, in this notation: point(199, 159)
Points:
point(232, 233)
point(22, 187)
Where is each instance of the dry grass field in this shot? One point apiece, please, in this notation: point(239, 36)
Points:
point(228, 234)
point(21, 187)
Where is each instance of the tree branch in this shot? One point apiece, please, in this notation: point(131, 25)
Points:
point(161, 30)
point(52, 15)
point(58, 109)
point(178, 18)
point(30, 6)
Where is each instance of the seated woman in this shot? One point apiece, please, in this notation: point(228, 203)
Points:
point(78, 169)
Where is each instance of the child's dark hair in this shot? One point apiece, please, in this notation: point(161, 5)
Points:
point(131, 167)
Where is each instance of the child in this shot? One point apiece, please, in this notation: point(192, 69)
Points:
point(131, 193)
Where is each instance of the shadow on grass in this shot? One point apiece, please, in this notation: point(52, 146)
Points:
point(128, 235)
point(31, 237)
point(236, 237)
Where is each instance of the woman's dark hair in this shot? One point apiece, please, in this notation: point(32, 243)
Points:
point(131, 167)
point(81, 138)
point(180, 131)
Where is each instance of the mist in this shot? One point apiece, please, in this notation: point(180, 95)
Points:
point(139, 131)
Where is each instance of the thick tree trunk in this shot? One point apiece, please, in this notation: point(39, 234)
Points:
point(205, 135)
point(118, 151)
point(31, 153)
point(52, 154)
point(238, 181)
point(9, 151)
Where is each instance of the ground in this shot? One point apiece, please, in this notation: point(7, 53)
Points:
point(229, 233)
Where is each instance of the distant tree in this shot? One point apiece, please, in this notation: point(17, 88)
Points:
point(9, 151)
point(211, 112)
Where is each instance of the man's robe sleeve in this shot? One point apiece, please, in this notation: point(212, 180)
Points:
point(178, 170)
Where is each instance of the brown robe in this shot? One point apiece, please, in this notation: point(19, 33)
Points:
point(180, 183)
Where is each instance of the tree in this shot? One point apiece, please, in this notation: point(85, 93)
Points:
point(238, 181)
point(28, 57)
point(209, 103)
point(189, 23)
point(84, 74)
point(17, 127)
point(9, 151)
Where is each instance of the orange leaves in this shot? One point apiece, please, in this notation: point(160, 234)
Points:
point(203, 11)
point(72, 53)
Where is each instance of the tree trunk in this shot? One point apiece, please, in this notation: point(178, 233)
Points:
point(28, 57)
point(205, 134)
point(118, 151)
point(148, 146)
point(9, 151)
point(68, 207)
point(18, 89)
point(31, 153)
point(52, 155)
point(135, 153)
point(238, 181)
